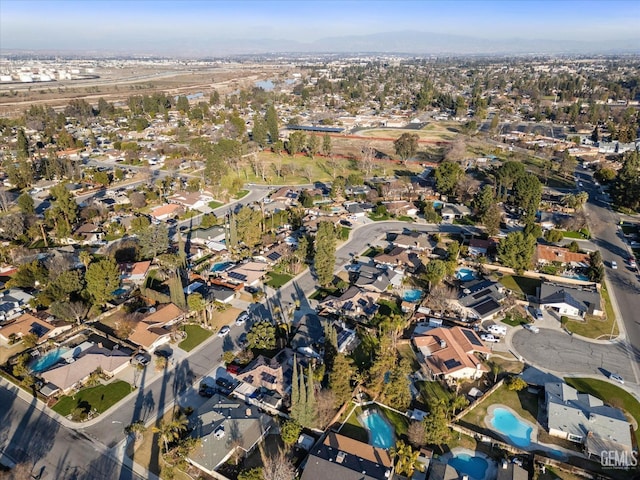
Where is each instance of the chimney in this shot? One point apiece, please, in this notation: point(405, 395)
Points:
point(443, 344)
point(340, 457)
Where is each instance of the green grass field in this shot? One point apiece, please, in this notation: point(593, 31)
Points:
point(523, 285)
point(276, 280)
point(195, 336)
point(99, 398)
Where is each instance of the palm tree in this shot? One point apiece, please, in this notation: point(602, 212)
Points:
point(407, 459)
point(170, 431)
point(85, 258)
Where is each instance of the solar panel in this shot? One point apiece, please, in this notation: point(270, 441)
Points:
point(472, 337)
point(238, 276)
point(487, 306)
point(348, 305)
point(451, 363)
point(268, 378)
point(273, 256)
point(38, 329)
point(481, 294)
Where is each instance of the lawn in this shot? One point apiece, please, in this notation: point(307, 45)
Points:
point(432, 392)
point(398, 421)
point(344, 234)
point(321, 293)
point(213, 204)
point(596, 327)
point(612, 394)
point(372, 252)
point(514, 320)
point(195, 336)
point(405, 351)
point(241, 194)
point(276, 280)
point(99, 398)
point(352, 428)
point(404, 218)
point(523, 285)
point(379, 218)
point(581, 235)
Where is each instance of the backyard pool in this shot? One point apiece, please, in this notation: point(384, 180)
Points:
point(413, 295)
point(49, 360)
point(221, 267)
point(506, 423)
point(577, 276)
point(380, 432)
point(474, 467)
point(465, 274)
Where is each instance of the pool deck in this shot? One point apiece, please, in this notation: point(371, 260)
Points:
point(492, 468)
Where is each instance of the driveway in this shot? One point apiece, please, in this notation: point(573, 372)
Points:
point(559, 352)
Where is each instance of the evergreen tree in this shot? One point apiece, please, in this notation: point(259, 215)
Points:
point(176, 291)
point(22, 145)
point(295, 392)
point(491, 219)
point(516, 251)
point(327, 146)
point(325, 257)
point(483, 200)
point(340, 379)
point(271, 121)
point(25, 203)
point(311, 406)
point(259, 132)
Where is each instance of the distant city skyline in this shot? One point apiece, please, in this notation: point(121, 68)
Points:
point(224, 27)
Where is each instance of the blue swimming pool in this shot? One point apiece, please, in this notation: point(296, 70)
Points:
point(380, 432)
point(577, 276)
point(474, 467)
point(465, 274)
point(438, 204)
point(47, 361)
point(505, 422)
point(221, 267)
point(120, 291)
point(413, 295)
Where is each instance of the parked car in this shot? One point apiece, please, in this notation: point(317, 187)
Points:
point(206, 390)
point(163, 353)
point(242, 318)
point(614, 265)
point(617, 378)
point(632, 262)
point(224, 331)
point(531, 328)
point(498, 330)
point(539, 315)
point(251, 290)
point(346, 223)
point(487, 337)
point(140, 359)
point(225, 386)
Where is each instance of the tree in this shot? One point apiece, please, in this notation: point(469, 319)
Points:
point(434, 272)
point(30, 340)
point(516, 384)
point(297, 142)
point(313, 145)
point(70, 311)
point(259, 132)
point(516, 251)
point(447, 175)
point(483, 200)
point(506, 176)
point(626, 187)
point(26, 205)
point(196, 303)
point(327, 146)
point(139, 225)
point(251, 474)
point(247, 224)
point(153, 241)
point(289, 432)
point(171, 431)
point(436, 426)
point(491, 219)
point(22, 145)
point(182, 104)
point(63, 212)
point(102, 279)
point(406, 146)
point(595, 135)
point(415, 434)
point(29, 275)
point(406, 459)
point(430, 213)
point(495, 370)
point(554, 236)
point(262, 336)
point(527, 193)
point(271, 121)
point(397, 390)
point(325, 256)
point(340, 379)
point(276, 467)
point(567, 163)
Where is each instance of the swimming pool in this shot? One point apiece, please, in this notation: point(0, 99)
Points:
point(465, 274)
point(474, 467)
point(380, 432)
point(413, 295)
point(47, 361)
point(577, 276)
point(221, 267)
point(505, 422)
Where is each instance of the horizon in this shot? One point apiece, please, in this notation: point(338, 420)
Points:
point(219, 28)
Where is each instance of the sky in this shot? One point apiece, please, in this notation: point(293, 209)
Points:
point(208, 25)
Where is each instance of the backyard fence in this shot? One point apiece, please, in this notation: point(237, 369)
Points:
point(541, 460)
point(487, 439)
point(478, 401)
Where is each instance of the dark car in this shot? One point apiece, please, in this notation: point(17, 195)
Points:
point(206, 390)
point(163, 353)
point(346, 223)
point(141, 359)
point(225, 386)
point(251, 290)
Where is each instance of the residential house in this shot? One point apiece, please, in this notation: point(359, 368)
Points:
point(399, 258)
point(193, 200)
point(134, 272)
point(250, 273)
point(340, 457)
point(308, 335)
point(154, 330)
point(13, 303)
point(285, 195)
point(215, 233)
point(166, 211)
point(269, 374)
point(443, 471)
point(375, 278)
point(26, 324)
point(355, 209)
point(479, 247)
point(546, 254)
point(453, 211)
point(353, 303)
point(89, 233)
point(221, 294)
point(482, 299)
point(401, 208)
point(585, 419)
point(511, 471)
point(420, 241)
point(570, 300)
point(70, 375)
point(274, 254)
point(450, 353)
point(224, 426)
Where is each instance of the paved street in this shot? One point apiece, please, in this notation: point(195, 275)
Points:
point(622, 282)
point(559, 352)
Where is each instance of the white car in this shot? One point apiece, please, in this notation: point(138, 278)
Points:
point(487, 337)
point(531, 328)
point(617, 378)
point(242, 318)
point(224, 331)
point(614, 265)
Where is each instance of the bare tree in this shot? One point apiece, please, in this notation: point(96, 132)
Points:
point(277, 467)
point(466, 188)
point(4, 200)
point(457, 150)
point(440, 294)
point(415, 434)
point(325, 400)
point(367, 159)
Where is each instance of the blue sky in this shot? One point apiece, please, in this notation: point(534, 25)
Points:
point(134, 24)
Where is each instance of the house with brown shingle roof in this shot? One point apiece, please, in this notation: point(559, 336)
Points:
point(27, 323)
point(154, 330)
point(165, 212)
point(546, 254)
point(450, 353)
point(134, 272)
